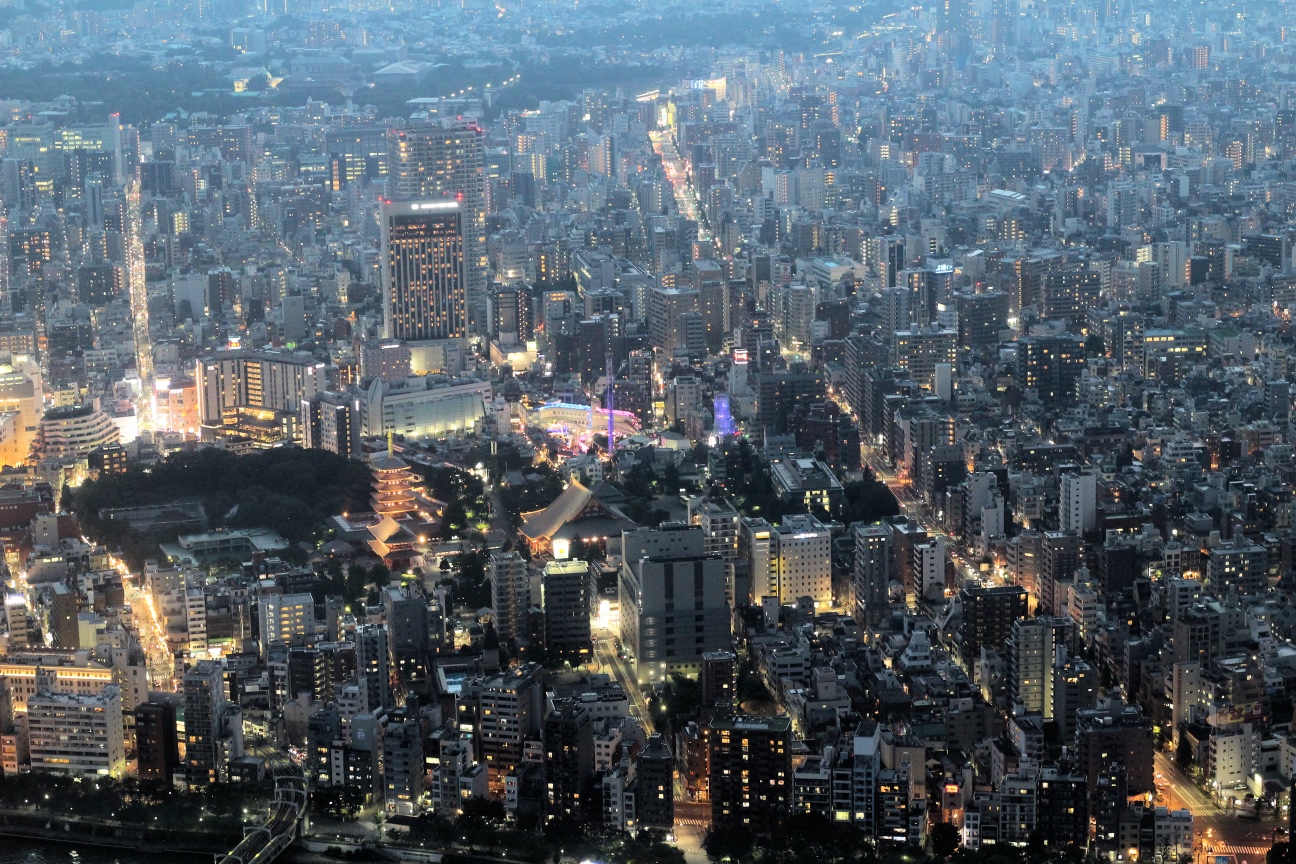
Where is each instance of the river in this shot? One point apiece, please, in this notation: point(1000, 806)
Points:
point(15, 851)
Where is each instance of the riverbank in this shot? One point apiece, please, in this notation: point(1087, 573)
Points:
point(53, 829)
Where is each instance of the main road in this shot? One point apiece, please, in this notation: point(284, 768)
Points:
point(686, 198)
point(1220, 831)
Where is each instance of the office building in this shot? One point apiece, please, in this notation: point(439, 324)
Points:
point(719, 522)
point(672, 595)
point(666, 329)
point(156, 743)
point(808, 482)
point(759, 554)
point(803, 550)
point(871, 572)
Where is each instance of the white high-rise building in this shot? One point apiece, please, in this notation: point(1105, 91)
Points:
point(929, 568)
point(286, 618)
point(81, 735)
point(804, 560)
point(757, 548)
point(1078, 502)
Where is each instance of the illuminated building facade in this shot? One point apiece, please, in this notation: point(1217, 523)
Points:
point(423, 272)
point(445, 160)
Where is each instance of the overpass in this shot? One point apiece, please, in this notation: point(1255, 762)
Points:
point(263, 844)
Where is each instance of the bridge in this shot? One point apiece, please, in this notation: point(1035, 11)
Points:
point(267, 841)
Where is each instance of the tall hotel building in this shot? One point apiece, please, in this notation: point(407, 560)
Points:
point(444, 160)
point(423, 270)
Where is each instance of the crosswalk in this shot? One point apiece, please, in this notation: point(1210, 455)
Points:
point(1250, 853)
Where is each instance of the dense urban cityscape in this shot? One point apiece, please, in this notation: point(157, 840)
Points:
point(649, 434)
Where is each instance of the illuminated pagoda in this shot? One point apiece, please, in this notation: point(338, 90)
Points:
point(402, 515)
point(393, 487)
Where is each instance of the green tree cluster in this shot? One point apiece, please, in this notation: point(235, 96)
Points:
point(533, 495)
point(221, 808)
point(749, 486)
point(288, 489)
point(482, 828)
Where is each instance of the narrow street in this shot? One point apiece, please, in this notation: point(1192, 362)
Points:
point(621, 671)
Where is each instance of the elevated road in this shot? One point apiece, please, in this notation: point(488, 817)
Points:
point(267, 841)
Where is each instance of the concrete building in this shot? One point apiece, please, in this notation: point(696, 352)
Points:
point(440, 161)
point(213, 725)
point(751, 772)
point(565, 599)
point(287, 619)
point(672, 595)
point(871, 572)
point(803, 546)
point(1077, 502)
point(425, 406)
point(403, 769)
point(510, 581)
point(233, 385)
point(76, 431)
point(424, 278)
point(506, 711)
point(76, 734)
point(568, 737)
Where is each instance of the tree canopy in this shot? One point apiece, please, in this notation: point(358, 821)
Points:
point(288, 489)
